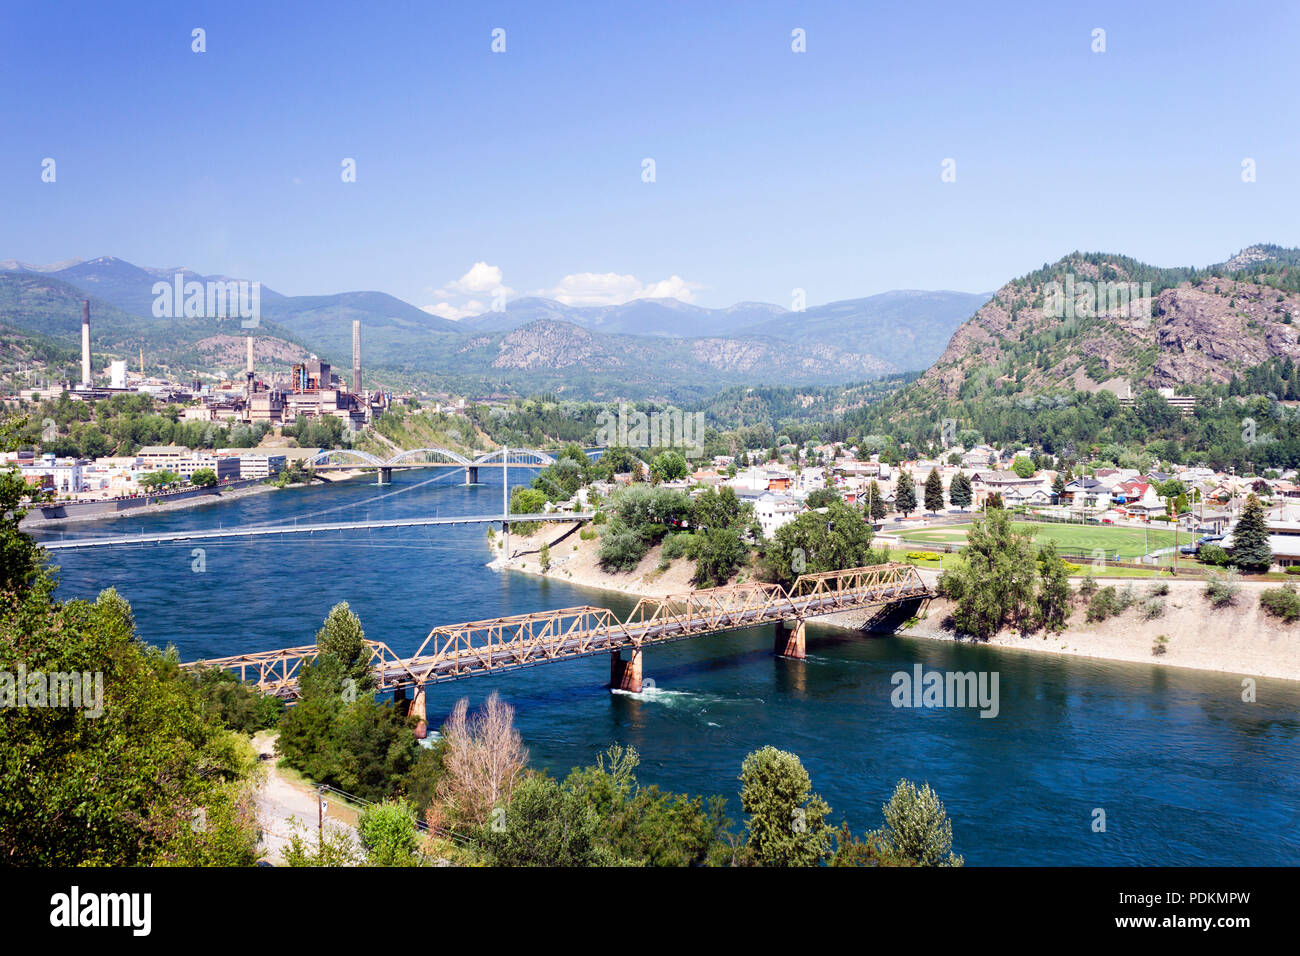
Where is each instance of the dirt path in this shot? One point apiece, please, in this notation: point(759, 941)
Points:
point(281, 802)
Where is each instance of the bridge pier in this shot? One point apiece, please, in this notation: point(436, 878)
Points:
point(385, 476)
point(625, 670)
point(413, 707)
point(471, 475)
point(789, 642)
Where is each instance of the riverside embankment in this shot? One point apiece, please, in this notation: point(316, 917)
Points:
point(1239, 639)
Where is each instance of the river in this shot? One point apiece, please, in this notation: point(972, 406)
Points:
point(1185, 771)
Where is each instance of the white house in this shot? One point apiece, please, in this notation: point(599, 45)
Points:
point(775, 511)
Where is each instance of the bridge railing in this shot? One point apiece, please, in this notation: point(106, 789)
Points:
point(505, 642)
point(707, 609)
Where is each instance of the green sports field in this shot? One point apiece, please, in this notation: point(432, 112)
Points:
point(1078, 540)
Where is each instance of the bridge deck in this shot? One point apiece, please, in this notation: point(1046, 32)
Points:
point(458, 651)
point(265, 530)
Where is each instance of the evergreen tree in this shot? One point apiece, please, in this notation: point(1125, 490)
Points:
point(959, 490)
point(905, 496)
point(1250, 549)
point(875, 501)
point(1058, 485)
point(934, 491)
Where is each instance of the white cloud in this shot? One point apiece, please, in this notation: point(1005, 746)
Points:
point(448, 311)
point(610, 288)
point(480, 278)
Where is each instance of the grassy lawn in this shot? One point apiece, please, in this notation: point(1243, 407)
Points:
point(1121, 543)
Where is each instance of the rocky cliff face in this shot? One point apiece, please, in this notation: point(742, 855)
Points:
point(1195, 331)
point(548, 344)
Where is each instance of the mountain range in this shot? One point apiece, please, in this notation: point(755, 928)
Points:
point(647, 348)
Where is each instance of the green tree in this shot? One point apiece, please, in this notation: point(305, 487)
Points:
point(204, 478)
point(159, 479)
point(905, 495)
point(669, 466)
point(139, 774)
point(815, 541)
point(1250, 547)
point(917, 827)
point(934, 491)
point(1023, 467)
point(1053, 600)
point(992, 581)
point(720, 508)
point(647, 826)
point(544, 825)
point(875, 502)
point(718, 553)
point(821, 498)
point(959, 490)
point(544, 557)
point(787, 821)
point(388, 834)
point(1058, 486)
point(342, 637)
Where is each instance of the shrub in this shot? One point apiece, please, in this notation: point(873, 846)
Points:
point(587, 534)
point(1153, 608)
point(677, 545)
point(1281, 602)
point(1214, 556)
point(622, 550)
point(1160, 645)
point(1159, 589)
point(1221, 589)
point(1088, 586)
point(1105, 603)
point(388, 834)
point(1292, 569)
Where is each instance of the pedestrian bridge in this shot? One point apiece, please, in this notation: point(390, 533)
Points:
point(493, 646)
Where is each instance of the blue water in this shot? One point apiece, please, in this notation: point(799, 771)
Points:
point(1185, 771)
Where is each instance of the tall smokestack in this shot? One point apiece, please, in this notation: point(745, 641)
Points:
point(85, 342)
point(356, 356)
point(250, 356)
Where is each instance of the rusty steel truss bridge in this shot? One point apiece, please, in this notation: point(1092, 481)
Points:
point(497, 645)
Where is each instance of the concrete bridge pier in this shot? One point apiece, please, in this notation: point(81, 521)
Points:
point(471, 475)
point(414, 707)
point(789, 641)
point(385, 476)
point(625, 670)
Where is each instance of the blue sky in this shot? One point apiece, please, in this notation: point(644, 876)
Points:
point(774, 169)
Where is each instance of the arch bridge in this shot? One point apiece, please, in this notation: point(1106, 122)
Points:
point(352, 458)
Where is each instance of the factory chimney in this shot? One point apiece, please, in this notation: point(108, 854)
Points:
point(248, 374)
point(356, 357)
point(85, 343)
